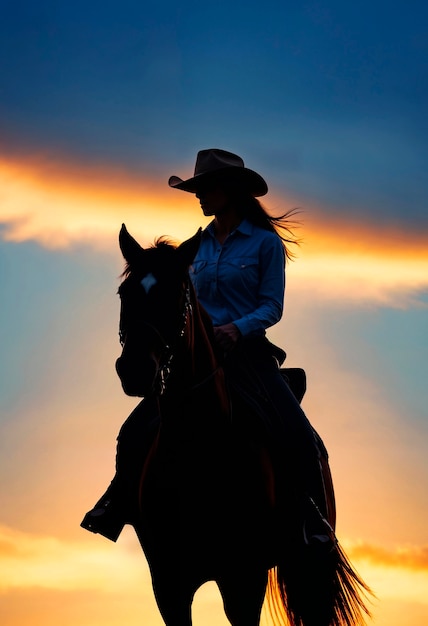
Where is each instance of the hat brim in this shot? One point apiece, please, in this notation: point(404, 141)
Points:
point(246, 178)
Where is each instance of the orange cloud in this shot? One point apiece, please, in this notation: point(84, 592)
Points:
point(367, 263)
point(408, 557)
point(28, 560)
point(392, 582)
point(115, 574)
point(59, 204)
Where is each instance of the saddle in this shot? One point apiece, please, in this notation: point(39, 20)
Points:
point(295, 377)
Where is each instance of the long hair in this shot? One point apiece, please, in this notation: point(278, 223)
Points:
point(252, 209)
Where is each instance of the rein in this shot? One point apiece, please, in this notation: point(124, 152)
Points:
point(164, 370)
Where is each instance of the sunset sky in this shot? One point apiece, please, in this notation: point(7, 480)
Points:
point(100, 102)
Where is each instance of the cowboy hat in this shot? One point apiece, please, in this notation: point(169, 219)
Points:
point(216, 165)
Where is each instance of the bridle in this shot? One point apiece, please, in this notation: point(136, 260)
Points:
point(168, 353)
point(167, 349)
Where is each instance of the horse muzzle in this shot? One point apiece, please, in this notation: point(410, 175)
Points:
point(137, 380)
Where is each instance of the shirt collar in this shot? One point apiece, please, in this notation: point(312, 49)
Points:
point(245, 228)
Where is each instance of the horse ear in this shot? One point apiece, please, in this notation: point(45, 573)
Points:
point(130, 248)
point(186, 252)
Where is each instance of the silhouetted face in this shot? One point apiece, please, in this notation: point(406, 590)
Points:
point(213, 200)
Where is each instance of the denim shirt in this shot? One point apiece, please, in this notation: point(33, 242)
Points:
point(243, 280)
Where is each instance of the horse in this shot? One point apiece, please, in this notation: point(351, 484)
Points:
point(207, 505)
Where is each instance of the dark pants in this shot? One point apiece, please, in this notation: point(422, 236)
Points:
point(253, 372)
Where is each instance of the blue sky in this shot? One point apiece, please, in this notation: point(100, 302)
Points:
point(100, 103)
point(330, 97)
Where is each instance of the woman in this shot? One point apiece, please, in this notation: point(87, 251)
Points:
point(238, 272)
point(239, 278)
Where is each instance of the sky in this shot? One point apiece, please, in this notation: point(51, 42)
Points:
point(100, 102)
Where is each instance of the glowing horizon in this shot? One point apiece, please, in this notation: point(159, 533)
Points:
point(45, 562)
point(58, 205)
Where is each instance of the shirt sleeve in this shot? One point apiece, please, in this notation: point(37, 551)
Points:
point(271, 289)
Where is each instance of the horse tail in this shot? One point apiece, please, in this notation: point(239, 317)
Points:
point(314, 583)
point(320, 590)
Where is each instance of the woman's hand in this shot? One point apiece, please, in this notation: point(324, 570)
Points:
point(226, 336)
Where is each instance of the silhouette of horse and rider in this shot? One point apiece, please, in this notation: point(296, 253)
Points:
point(218, 469)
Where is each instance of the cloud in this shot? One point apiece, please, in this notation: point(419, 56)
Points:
point(28, 560)
point(410, 557)
point(58, 204)
point(398, 574)
point(350, 260)
point(61, 204)
point(52, 565)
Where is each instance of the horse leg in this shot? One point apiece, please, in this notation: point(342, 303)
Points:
point(243, 594)
point(173, 600)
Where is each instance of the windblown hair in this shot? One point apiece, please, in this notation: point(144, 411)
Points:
point(252, 209)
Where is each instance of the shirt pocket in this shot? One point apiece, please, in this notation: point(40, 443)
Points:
point(245, 262)
point(243, 273)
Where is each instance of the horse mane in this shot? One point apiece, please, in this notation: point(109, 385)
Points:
point(160, 243)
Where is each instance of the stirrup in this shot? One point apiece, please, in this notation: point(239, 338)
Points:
point(102, 521)
point(107, 517)
point(317, 532)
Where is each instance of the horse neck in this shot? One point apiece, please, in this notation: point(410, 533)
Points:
point(196, 371)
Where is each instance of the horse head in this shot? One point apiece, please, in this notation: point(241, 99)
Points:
point(154, 306)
